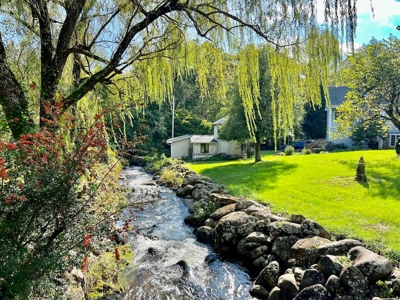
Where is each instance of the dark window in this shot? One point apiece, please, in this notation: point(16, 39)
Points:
point(204, 148)
point(393, 139)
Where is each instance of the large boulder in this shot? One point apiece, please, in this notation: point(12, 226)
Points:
point(314, 292)
point(334, 285)
point(338, 248)
point(311, 228)
point(223, 199)
point(259, 291)
point(288, 285)
point(231, 229)
point(373, 266)
point(223, 211)
point(275, 294)
point(282, 248)
point(329, 265)
point(354, 280)
point(204, 234)
point(311, 277)
point(305, 250)
point(200, 193)
point(268, 277)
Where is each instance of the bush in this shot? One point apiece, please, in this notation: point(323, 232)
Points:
point(318, 150)
point(171, 177)
point(289, 150)
point(53, 199)
point(201, 214)
point(332, 147)
point(321, 143)
point(306, 151)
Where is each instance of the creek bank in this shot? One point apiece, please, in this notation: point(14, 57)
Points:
point(294, 257)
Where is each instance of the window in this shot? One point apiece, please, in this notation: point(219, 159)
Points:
point(393, 139)
point(204, 148)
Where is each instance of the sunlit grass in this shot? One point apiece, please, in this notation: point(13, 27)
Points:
point(323, 187)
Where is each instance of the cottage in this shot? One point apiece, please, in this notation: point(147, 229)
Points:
point(203, 146)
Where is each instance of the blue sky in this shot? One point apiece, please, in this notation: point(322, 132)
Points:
point(379, 24)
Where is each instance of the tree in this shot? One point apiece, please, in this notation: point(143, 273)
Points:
point(236, 127)
point(372, 73)
point(314, 124)
point(132, 47)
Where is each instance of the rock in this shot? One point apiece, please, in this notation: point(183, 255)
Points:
point(329, 265)
point(259, 291)
point(231, 229)
point(223, 211)
point(298, 219)
point(261, 262)
point(259, 251)
point(288, 285)
point(275, 294)
point(242, 249)
point(211, 258)
point(333, 285)
point(185, 267)
point(258, 237)
point(288, 228)
point(282, 247)
point(338, 248)
point(184, 191)
point(262, 226)
point(223, 199)
point(192, 221)
point(191, 179)
point(77, 275)
point(210, 222)
point(268, 277)
point(314, 292)
point(354, 279)
point(305, 250)
point(311, 277)
point(198, 193)
point(204, 234)
point(373, 266)
point(244, 204)
point(312, 228)
point(257, 208)
point(189, 203)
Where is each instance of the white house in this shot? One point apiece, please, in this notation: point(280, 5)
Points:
point(202, 146)
point(337, 96)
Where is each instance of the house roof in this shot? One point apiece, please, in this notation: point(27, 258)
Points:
point(337, 94)
point(204, 139)
point(178, 138)
point(220, 121)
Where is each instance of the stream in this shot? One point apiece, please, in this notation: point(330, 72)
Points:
point(169, 263)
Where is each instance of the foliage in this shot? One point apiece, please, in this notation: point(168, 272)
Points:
point(171, 177)
point(322, 187)
point(372, 73)
point(289, 150)
point(53, 199)
point(72, 49)
point(320, 143)
point(335, 147)
point(306, 151)
point(314, 123)
point(367, 134)
point(397, 147)
point(202, 213)
point(105, 273)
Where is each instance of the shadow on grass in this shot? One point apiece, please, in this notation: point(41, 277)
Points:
point(246, 178)
point(381, 184)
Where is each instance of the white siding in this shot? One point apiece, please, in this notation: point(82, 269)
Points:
point(213, 150)
point(231, 148)
point(180, 148)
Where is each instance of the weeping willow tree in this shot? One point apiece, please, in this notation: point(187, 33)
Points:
point(136, 47)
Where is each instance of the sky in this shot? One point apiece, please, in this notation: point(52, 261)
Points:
point(379, 24)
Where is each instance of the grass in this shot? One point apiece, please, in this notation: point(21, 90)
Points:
point(322, 187)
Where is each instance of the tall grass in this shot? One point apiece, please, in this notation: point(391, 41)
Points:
point(323, 187)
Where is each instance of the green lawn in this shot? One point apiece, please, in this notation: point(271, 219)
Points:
point(322, 187)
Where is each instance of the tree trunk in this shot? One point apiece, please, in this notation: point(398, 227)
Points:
point(257, 156)
point(12, 99)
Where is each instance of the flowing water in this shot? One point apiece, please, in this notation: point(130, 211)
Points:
point(168, 261)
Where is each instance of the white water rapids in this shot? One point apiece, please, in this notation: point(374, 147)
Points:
point(164, 240)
